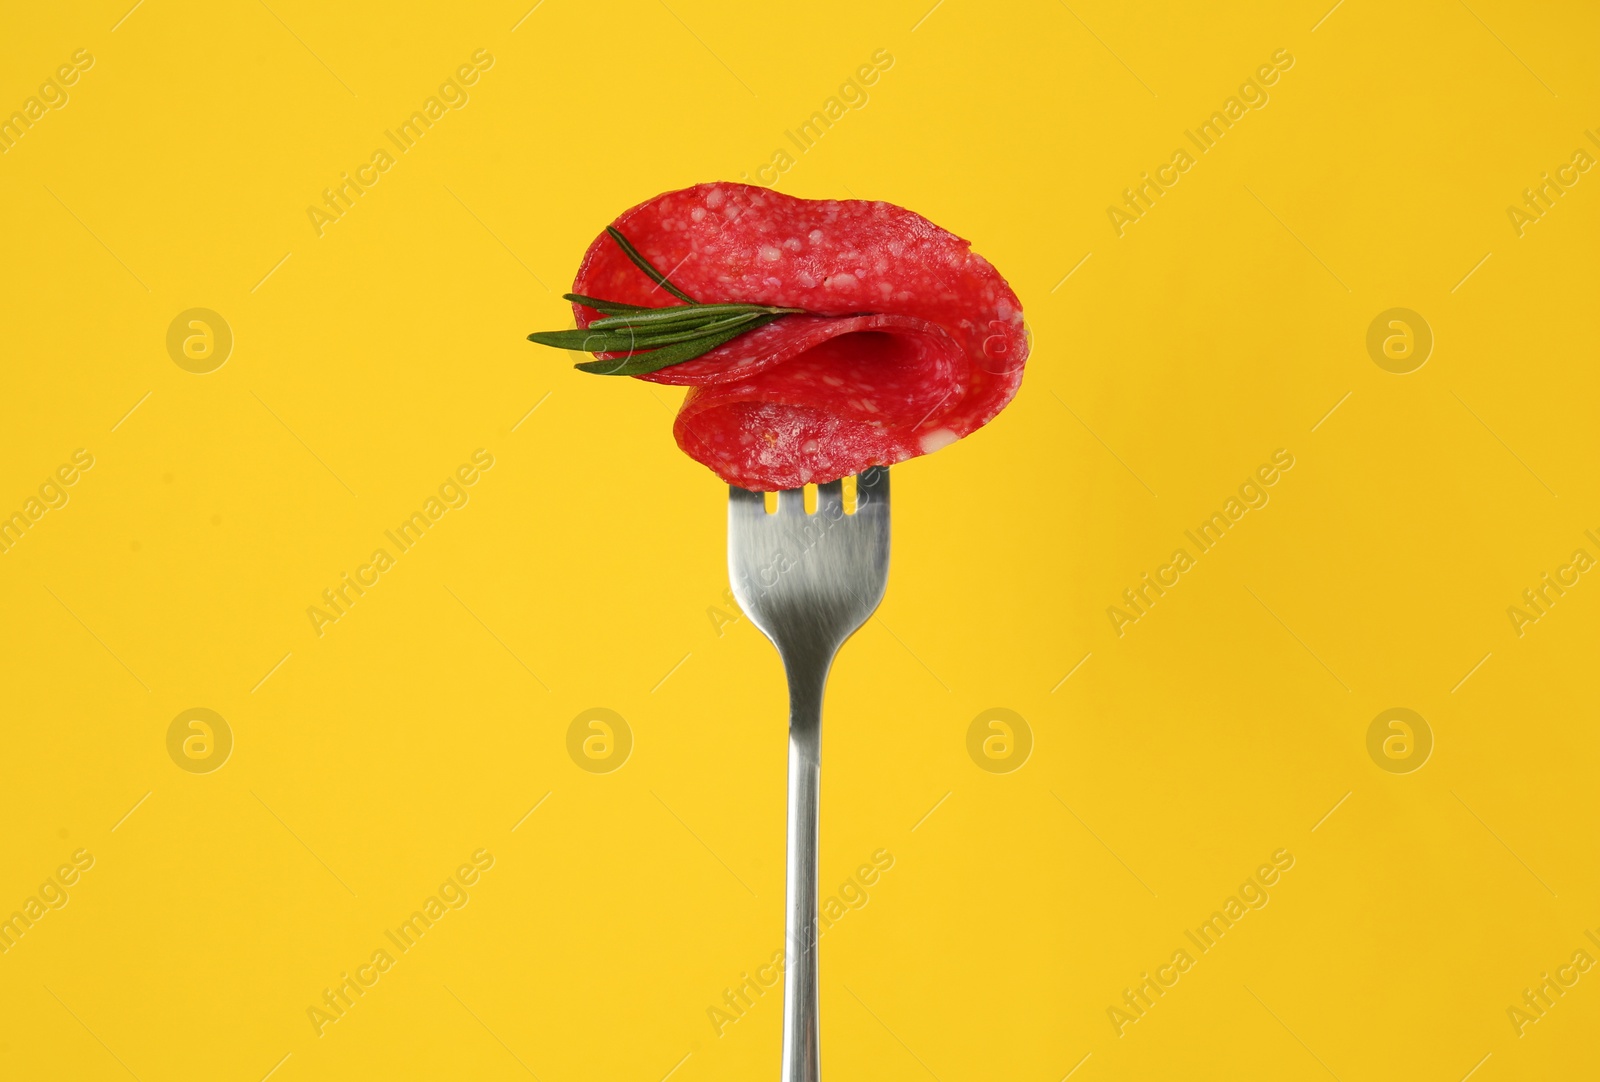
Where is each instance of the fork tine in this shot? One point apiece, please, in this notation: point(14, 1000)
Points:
point(872, 487)
point(830, 498)
point(792, 501)
point(745, 501)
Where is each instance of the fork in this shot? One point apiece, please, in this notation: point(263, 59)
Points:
point(808, 581)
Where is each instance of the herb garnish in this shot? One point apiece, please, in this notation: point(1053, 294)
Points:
point(654, 338)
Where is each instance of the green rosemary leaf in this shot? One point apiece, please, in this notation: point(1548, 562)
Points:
point(573, 339)
point(584, 341)
point(669, 335)
point(677, 313)
point(625, 340)
point(644, 264)
point(656, 359)
point(687, 313)
point(605, 306)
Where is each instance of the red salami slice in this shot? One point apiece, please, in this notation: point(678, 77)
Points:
point(914, 342)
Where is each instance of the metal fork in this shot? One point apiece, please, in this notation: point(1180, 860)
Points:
point(808, 582)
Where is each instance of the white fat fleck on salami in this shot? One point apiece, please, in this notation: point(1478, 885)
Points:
point(811, 398)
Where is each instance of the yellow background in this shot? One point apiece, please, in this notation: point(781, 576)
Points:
point(369, 362)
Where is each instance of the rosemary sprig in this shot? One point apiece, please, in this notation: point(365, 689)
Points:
point(637, 364)
point(633, 337)
point(650, 339)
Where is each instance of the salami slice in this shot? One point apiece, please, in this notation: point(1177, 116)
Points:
point(910, 340)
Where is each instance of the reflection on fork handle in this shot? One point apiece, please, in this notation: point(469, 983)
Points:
point(801, 1051)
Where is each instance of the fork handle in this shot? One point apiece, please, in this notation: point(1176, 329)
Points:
point(801, 1051)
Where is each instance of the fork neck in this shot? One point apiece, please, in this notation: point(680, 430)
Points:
point(808, 676)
